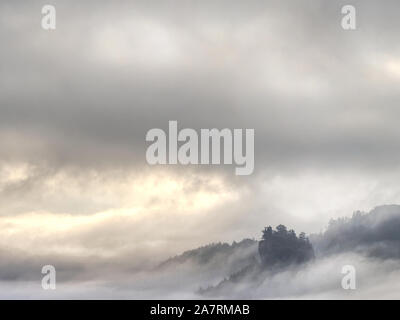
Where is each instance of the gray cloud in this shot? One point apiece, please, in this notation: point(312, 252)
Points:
point(313, 92)
point(75, 105)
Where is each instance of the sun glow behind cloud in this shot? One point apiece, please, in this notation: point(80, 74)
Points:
point(392, 67)
point(118, 201)
point(123, 43)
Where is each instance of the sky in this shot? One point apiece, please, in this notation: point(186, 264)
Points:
point(76, 104)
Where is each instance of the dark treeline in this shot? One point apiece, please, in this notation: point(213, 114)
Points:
point(376, 233)
point(283, 247)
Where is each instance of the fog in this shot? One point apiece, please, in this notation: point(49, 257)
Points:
point(76, 103)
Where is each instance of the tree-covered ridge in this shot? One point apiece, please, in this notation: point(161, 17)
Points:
point(215, 251)
point(283, 247)
point(375, 233)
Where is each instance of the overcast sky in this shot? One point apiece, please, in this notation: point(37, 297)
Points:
point(76, 104)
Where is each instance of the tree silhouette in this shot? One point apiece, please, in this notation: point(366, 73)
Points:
point(283, 247)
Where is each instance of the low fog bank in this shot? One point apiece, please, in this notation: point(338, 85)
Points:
point(367, 241)
point(320, 279)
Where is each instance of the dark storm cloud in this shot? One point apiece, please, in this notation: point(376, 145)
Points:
point(316, 94)
point(84, 96)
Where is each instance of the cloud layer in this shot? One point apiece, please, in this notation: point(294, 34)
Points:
point(76, 103)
